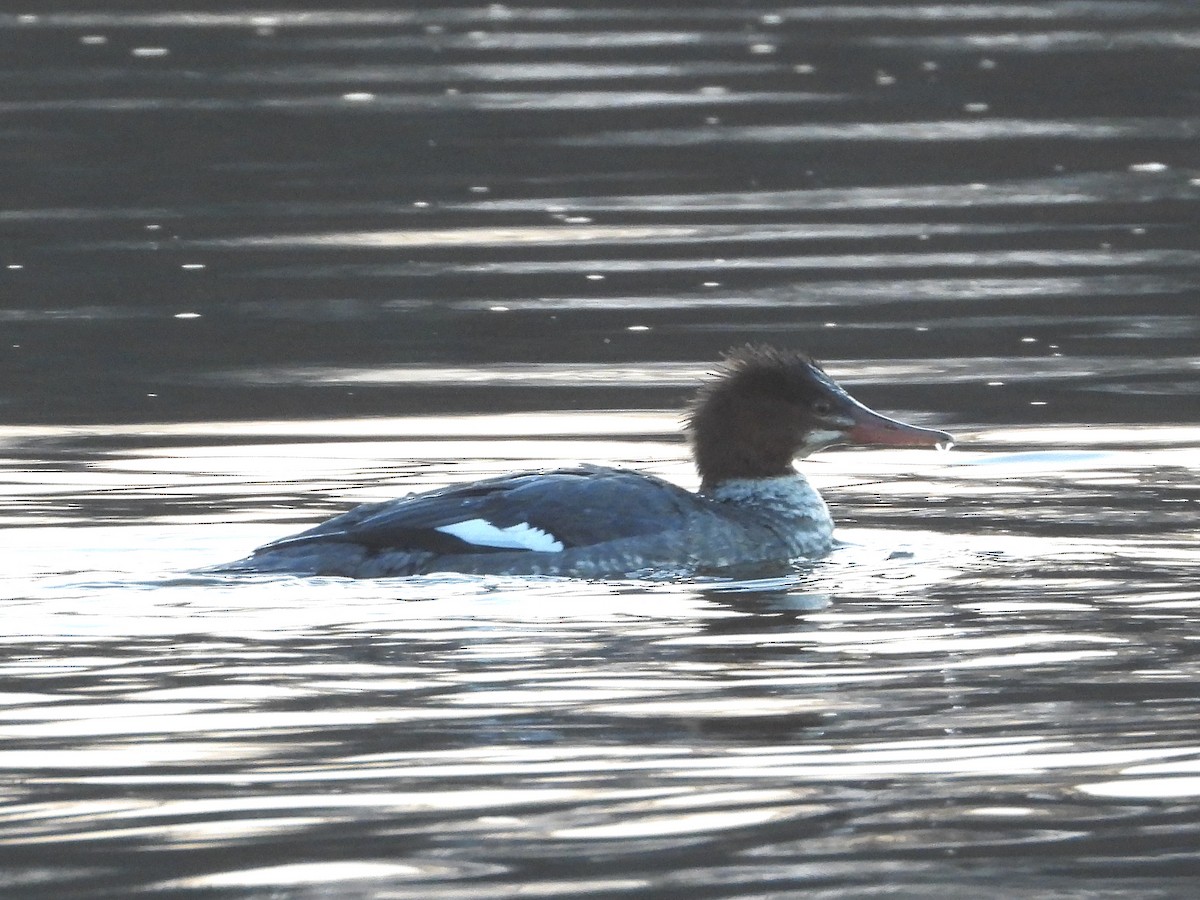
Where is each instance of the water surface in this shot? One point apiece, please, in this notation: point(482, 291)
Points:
point(258, 266)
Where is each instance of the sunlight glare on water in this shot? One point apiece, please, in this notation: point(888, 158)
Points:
point(259, 267)
point(873, 666)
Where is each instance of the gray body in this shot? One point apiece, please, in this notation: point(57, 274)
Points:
point(610, 523)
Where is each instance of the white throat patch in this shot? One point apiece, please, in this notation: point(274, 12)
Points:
point(790, 495)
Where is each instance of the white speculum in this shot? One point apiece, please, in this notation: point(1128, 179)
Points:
point(521, 536)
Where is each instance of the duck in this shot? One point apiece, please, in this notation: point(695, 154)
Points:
point(760, 411)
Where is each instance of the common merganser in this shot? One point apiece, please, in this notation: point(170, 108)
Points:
point(763, 409)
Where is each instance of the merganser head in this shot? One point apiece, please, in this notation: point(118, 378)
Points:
point(767, 407)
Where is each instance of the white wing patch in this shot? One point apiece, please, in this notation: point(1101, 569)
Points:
point(521, 536)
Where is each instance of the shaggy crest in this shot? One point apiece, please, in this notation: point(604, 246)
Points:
point(759, 370)
point(751, 419)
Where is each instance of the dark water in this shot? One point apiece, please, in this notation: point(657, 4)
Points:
point(259, 264)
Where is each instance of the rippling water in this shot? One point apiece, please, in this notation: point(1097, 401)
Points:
point(256, 266)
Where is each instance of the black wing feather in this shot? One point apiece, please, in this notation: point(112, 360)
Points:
point(577, 507)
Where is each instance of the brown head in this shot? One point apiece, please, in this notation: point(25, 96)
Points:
point(766, 407)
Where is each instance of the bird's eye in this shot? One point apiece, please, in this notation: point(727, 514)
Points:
point(822, 407)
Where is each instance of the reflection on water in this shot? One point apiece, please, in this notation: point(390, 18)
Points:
point(975, 669)
point(257, 266)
